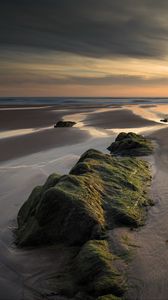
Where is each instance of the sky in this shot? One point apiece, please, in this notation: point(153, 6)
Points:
point(116, 48)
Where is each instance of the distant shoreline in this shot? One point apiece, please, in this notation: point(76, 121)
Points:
point(81, 100)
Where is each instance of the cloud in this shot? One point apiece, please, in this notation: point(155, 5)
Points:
point(112, 80)
point(93, 28)
point(121, 80)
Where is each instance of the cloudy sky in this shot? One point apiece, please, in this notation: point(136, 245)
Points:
point(83, 48)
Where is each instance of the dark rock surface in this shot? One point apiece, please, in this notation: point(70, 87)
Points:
point(164, 120)
point(64, 124)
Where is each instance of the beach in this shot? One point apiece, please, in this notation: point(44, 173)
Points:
point(31, 149)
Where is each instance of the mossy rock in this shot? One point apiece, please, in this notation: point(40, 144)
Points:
point(131, 144)
point(100, 192)
point(90, 272)
point(29, 207)
point(95, 270)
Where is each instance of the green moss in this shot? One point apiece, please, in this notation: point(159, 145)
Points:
point(29, 207)
point(124, 181)
point(51, 181)
point(89, 273)
point(94, 258)
point(28, 224)
point(95, 269)
point(131, 144)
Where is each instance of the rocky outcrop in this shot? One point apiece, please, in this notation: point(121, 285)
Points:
point(131, 144)
point(76, 207)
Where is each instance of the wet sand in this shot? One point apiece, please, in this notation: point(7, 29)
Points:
point(19, 117)
point(117, 119)
point(149, 269)
point(24, 271)
point(14, 147)
point(42, 138)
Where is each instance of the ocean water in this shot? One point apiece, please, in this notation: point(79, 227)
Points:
point(79, 100)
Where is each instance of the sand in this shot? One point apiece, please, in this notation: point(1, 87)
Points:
point(28, 159)
point(33, 117)
point(148, 271)
point(117, 119)
point(26, 130)
point(40, 141)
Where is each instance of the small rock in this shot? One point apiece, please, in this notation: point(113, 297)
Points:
point(64, 124)
point(164, 120)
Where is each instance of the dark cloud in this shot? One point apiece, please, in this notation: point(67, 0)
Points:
point(95, 28)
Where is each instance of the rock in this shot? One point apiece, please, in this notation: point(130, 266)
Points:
point(131, 144)
point(29, 206)
point(164, 120)
point(100, 192)
point(77, 211)
point(96, 271)
point(64, 124)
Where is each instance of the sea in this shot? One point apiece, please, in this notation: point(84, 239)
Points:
point(79, 101)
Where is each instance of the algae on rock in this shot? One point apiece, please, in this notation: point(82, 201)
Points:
point(91, 274)
point(131, 144)
point(96, 271)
